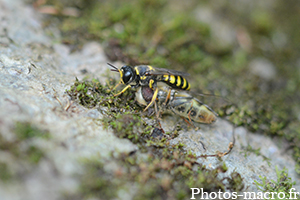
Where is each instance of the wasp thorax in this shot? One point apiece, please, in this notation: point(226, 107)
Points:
point(127, 74)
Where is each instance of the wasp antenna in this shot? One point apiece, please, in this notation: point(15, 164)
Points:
point(115, 69)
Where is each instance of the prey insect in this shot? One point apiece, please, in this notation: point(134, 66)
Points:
point(179, 102)
point(146, 75)
point(183, 104)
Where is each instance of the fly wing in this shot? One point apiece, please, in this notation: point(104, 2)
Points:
point(217, 102)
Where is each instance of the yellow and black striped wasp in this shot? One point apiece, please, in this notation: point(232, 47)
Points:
point(146, 75)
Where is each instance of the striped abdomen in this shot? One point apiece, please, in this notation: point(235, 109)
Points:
point(177, 82)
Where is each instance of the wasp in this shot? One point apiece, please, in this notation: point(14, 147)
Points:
point(146, 75)
point(179, 102)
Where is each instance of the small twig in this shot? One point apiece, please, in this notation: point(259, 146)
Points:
point(219, 154)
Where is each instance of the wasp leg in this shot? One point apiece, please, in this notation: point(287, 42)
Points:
point(116, 86)
point(128, 86)
point(153, 99)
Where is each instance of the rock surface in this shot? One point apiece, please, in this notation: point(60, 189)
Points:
point(34, 75)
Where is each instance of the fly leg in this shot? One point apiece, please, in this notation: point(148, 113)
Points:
point(168, 97)
point(189, 115)
point(156, 111)
point(190, 123)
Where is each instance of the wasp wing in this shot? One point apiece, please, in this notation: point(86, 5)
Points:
point(163, 71)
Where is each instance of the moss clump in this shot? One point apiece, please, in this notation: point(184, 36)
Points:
point(25, 133)
point(282, 185)
point(150, 32)
point(129, 126)
point(25, 130)
point(5, 173)
point(97, 182)
point(22, 149)
point(34, 154)
point(249, 149)
point(92, 94)
point(88, 93)
point(153, 177)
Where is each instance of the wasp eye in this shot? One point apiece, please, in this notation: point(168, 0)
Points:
point(127, 74)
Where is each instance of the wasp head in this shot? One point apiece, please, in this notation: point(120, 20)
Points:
point(127, 73)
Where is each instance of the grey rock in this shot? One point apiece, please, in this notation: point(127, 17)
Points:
point(34, 75)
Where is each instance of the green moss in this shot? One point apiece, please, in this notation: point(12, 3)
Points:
point(93, 94)
point(21, 149)
point(249, 149)
point(34, 154)
point(152, 178)
point(97, 182)
point(9, 146)
point(262, 22)
point(282, 184)
point(25, 133)
point(150, 33)
point(5, 173)
point(25, 130)
point(129, 126)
